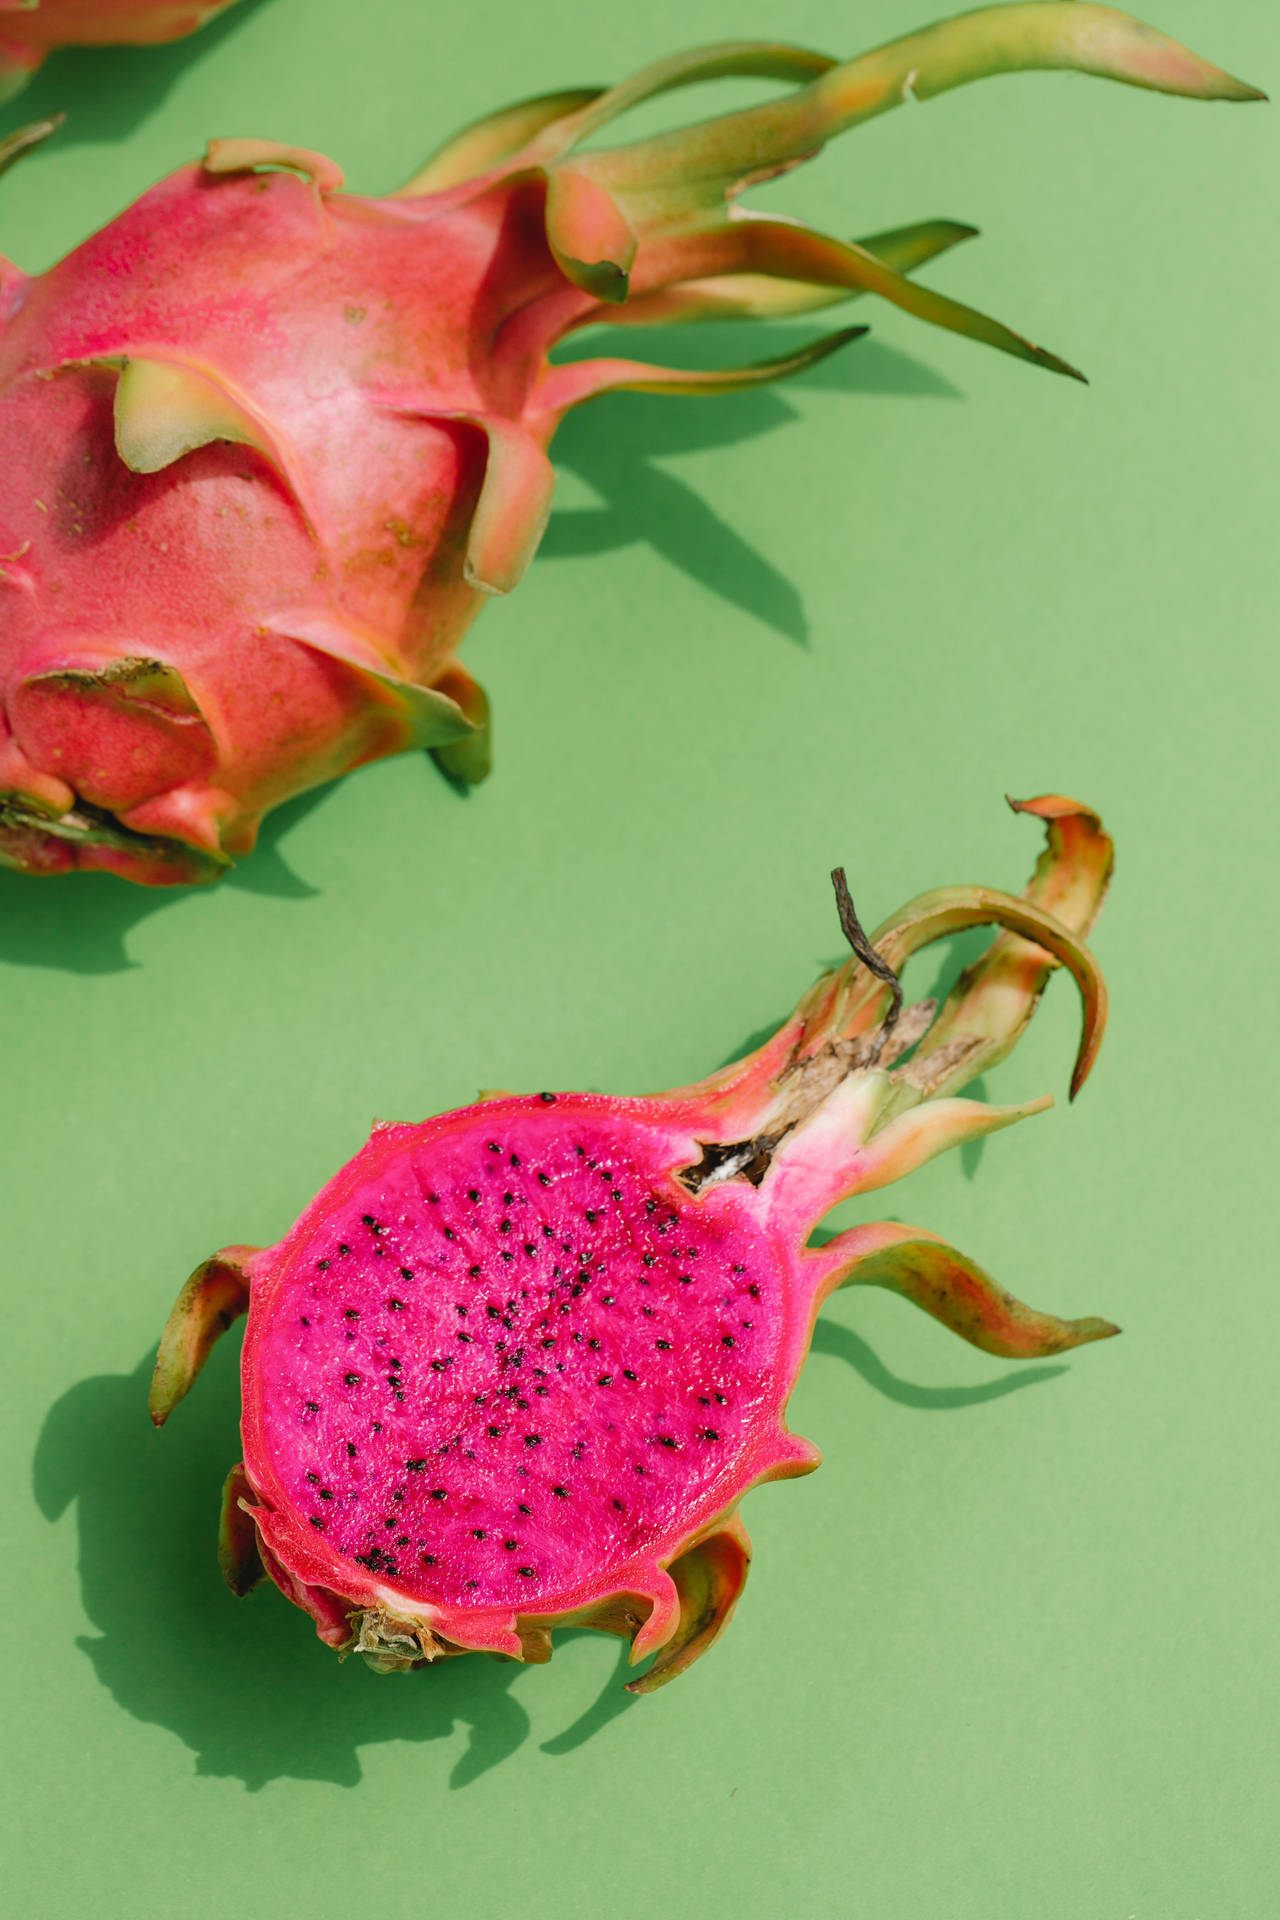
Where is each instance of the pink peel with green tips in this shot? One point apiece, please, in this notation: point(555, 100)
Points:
point(271, 444)
point(516, 1367)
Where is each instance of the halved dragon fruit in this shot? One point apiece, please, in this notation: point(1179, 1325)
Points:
point(29, 29)
point(516, 1367)
point(269, 445)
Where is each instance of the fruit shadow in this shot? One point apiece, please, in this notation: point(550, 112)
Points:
point(80, 922)
point(107, 91)
point(620, 445)
point(245, 1684)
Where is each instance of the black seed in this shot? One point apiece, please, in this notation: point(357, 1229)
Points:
point(477, 1533)
point(649, 1259)
point(343, 1247)
point(427, 1559)
point(561, 1493)
point(313, 1479)
point(544, 1179)
point(533, 1439)
point(494, 1147)
point(449, 1234)
point(326, 1493)
point(509, 1546)
point(727, 1340)
point(579, 1448)
point(548, 1342)
point(709, 1433)
point(406, 1273)
point(311, 1406)
point(445, 1361)
point(439, 1493)
point(515, 1159)
point(302, 1317)
point(351, 1313)
point(459, 1308)
point(415, 1466)
point(547, 1099)
point(591, 1217)
point(665, 1440)
point(526, 1573)
point(473, 1273)
point(663, 1346)
point(370, 1221)
point(721, 1401)
point(402, 1540)
point(494, 1313)
point(704, 1400)
point(530, 1248)
point(605, 1380)
point(506, 1255)
point(684, 1278)
point(395, 1306)
point(352, 1379)
point(594, 1345)
point(351, 1449)
point(494, 1432)
point(650, 1313)
point(748, 1324)
point(504, 1226)
point(521, 1508)
point(651, 1206)
point(317, 1522)
point(324, 1264)
point(619, 1506)
point(465, 1338)
point(473, 1583)
point(473, 1193)
point(628, 1375)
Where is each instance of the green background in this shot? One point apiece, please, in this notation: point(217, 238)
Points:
point(1012, 1652)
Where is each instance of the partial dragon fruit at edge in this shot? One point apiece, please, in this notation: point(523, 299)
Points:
point(268, 444)
point(29, 29)
point(516, 1367)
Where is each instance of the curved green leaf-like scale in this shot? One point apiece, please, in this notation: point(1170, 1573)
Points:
point(238, 1555)
point(709, 1579)
point(760, 296)
point(590, 236)
point(244, 156)
point(791, 252)
point(431, 717)
point(24, 140)
point(469, 760)
point(946, 910)
point(954, 1289)
point(729, 59)
point(586, 379)
point(211, 1301)
point(718, 154)
point(991, 1003)
point(514, 506)
point(487, 142)
point(165, 409)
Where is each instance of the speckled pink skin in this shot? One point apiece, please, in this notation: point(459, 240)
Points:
point(268, 444)
point(29, 31)
point(516, 1367)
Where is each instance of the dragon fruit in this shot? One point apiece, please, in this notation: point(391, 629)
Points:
point(269, 445)
point(29, 29)
point(516, 1367)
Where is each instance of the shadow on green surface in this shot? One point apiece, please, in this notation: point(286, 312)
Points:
point(617, 443)
point(105, 92)
point(244, 1683)
point(79, 921)
point(841, 1343)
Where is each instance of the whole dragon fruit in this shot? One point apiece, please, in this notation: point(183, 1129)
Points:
point(516, 1367)
point(267, 444)
point(29, 29)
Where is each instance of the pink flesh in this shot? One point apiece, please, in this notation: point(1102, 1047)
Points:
point(515, 1359)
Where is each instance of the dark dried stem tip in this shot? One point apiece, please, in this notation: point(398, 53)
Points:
point(851, 927)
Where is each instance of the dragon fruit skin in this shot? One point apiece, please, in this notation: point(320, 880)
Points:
point(516, 1367)
point(268, 444)
point(29, 29)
